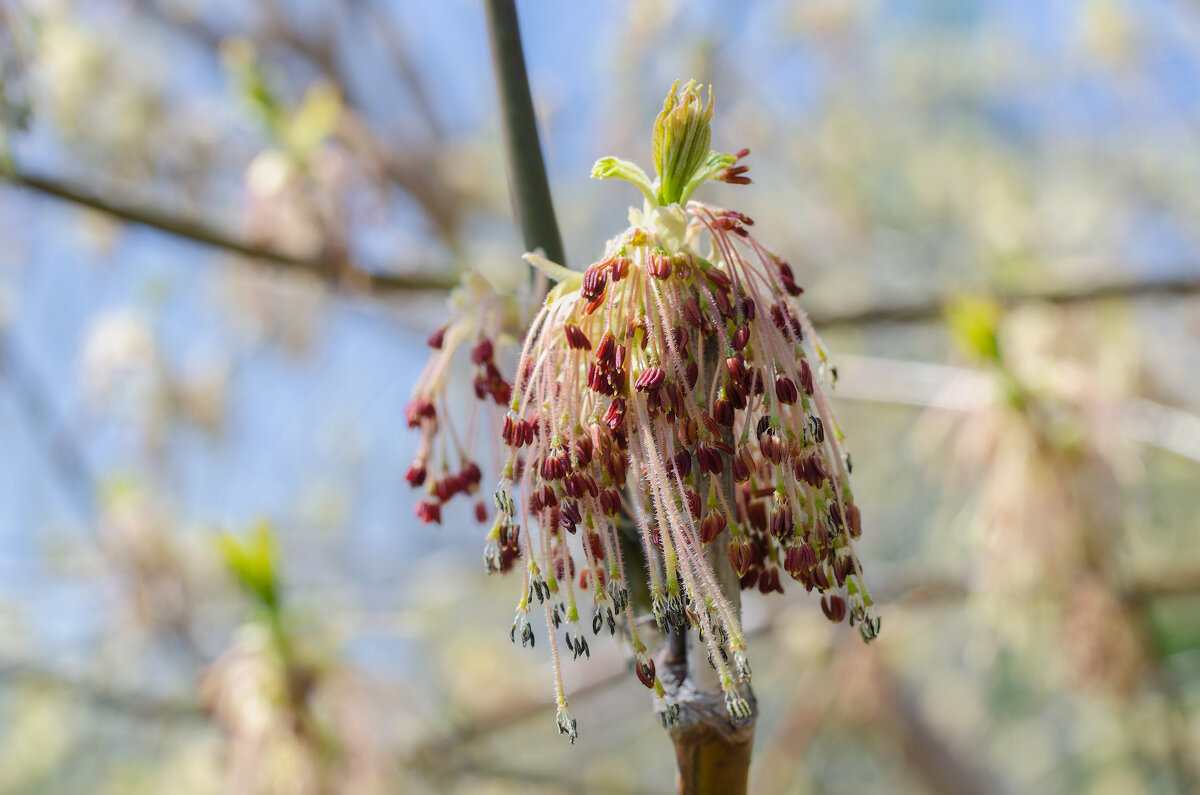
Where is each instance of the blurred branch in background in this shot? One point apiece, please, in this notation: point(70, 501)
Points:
point(44, 422)
point(424, 276)
point(342, 274)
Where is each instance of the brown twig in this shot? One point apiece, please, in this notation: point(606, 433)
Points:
point(349, 276)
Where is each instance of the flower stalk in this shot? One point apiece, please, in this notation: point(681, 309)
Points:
point(675, 384)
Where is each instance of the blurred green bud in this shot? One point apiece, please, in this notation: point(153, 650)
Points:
point(252, 564)
point(974, 325)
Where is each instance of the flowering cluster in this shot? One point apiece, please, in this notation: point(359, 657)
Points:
point(477, 323)
point(674, 382)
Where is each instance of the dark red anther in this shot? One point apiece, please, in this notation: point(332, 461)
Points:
point(679, 337)
point(772, 447)
point(470, 475)
point(743, 465)
point(429, 512)
point(735, 175)
point(594, 545)
point(650, 380)
point(615, 416)
point(723, 411)
point(740, 338)
point(799, 560)
point(711, 526)
point(781, 521)
point(810, 468)
point(806, 377)
point(854, 520)
point(644, 666)
point(769, 581)
point(709, 459)
point(445, 488)
point(842, 568)
point(718, 278)
point(835, 515)
point(419, 409)
point(737, 369)
point(683, 463)
point(749, 309)
point(576, 339)
point(481, 512)
point(620, 268)
point(756, 515)
point(763, 425)
point(741, 556)
point(834, 607)
point(594, 282)
point(569, 516)
point(482, 352)
point(607, 348)
point(619, 357)
point(528, 430)
point(818, 429)
point(416, 474)
point(722, 302)
point(564, 566)
point(693, 503)
point(691, 312)
point(583, 450)
point(574, 485)
point(610, 502)
point(785, 390)
point(659, 266)
point(691, 373)
point(436, 339)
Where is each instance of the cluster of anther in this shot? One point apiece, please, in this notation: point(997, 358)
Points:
point(674, 365)
point(442, 466)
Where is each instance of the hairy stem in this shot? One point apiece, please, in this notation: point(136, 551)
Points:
point(712, 753)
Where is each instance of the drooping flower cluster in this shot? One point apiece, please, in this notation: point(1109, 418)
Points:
point(674, 385)
point(443, 464)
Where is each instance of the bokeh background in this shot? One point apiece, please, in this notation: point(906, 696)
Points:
point(226, 229)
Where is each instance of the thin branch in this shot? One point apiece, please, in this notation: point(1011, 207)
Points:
point(133, 703)
point(65, 456)
point(931, 308)
point(342, 275)
point(527, 170)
